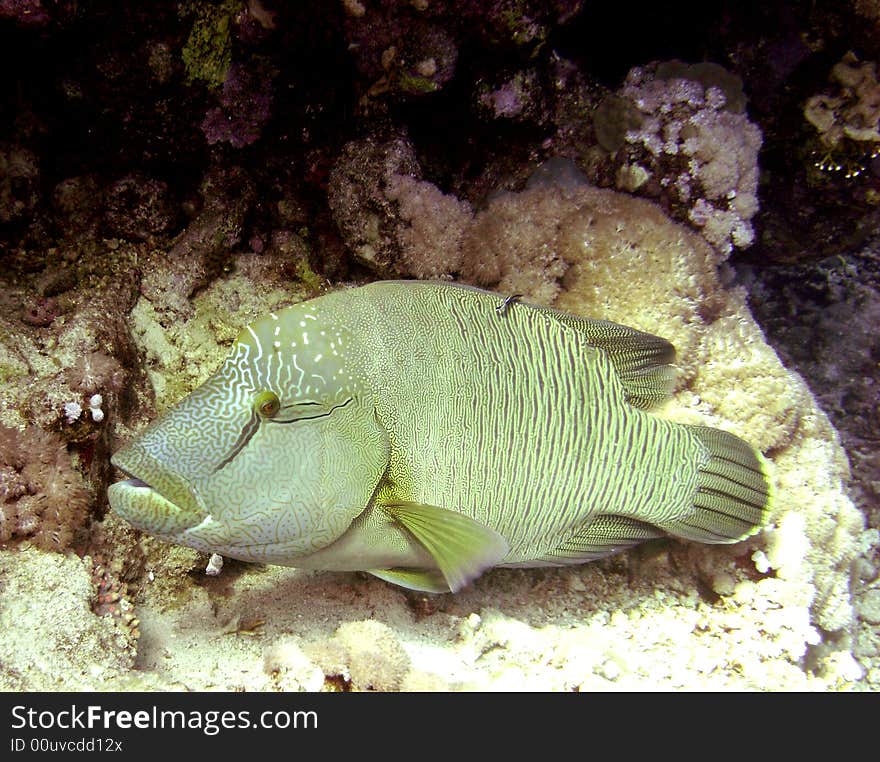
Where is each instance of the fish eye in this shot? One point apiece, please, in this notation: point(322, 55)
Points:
point(267, 404)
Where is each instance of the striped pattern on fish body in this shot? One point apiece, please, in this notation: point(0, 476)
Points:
point(515, 420)
point(425, 432)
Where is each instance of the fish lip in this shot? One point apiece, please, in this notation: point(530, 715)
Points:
point(136, 481)
point(186, 502)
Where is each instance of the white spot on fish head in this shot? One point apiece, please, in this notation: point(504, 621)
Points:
point(295, 360)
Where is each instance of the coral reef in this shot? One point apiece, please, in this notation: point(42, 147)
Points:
point(202, 249)
point(245, 105)
point(25, 12)
point(821, 317)
point(183, 339)
point(207, 53)
point(365, 656)
point(50, 639)
point(111, 598)
point(170, 171)
point(356, 192)
point(791, 584)
point(78, 203)
point(398, 49)
point(519, 97)
point(138, 208)
point(430, 227)
point(290, 668)
point(19, 182)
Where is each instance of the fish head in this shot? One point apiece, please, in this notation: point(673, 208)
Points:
point(272, 457)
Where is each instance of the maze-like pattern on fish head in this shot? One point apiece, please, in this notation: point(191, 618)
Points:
point(292, 481)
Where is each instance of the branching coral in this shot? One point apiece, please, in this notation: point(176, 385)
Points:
point(43, 498)
point(688, 141)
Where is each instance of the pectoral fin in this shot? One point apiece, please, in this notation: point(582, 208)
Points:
point(424, 580)
point(462, 547)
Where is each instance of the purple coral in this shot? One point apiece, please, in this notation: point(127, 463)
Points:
point(245, 106)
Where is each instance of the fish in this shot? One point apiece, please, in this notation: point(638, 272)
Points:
point(426, 432)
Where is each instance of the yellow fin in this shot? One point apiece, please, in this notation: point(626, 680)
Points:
point(462, 548)
point(734, 492)
point(643, 362)
point(605, 535)
point(425, 580)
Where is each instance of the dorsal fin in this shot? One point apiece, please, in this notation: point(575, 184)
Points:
point(643, 361)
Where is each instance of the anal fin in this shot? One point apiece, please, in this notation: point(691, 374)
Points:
point(602, 537)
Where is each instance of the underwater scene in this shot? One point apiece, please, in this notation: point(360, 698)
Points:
point(439, 345)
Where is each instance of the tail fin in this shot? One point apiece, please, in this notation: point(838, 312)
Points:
point(733, 494)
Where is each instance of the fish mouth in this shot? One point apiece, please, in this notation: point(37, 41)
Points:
point(155, 499)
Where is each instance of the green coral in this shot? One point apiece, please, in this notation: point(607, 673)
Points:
point(207, 53)
point(310, 280)
point(520, 26)
point(415, 84)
